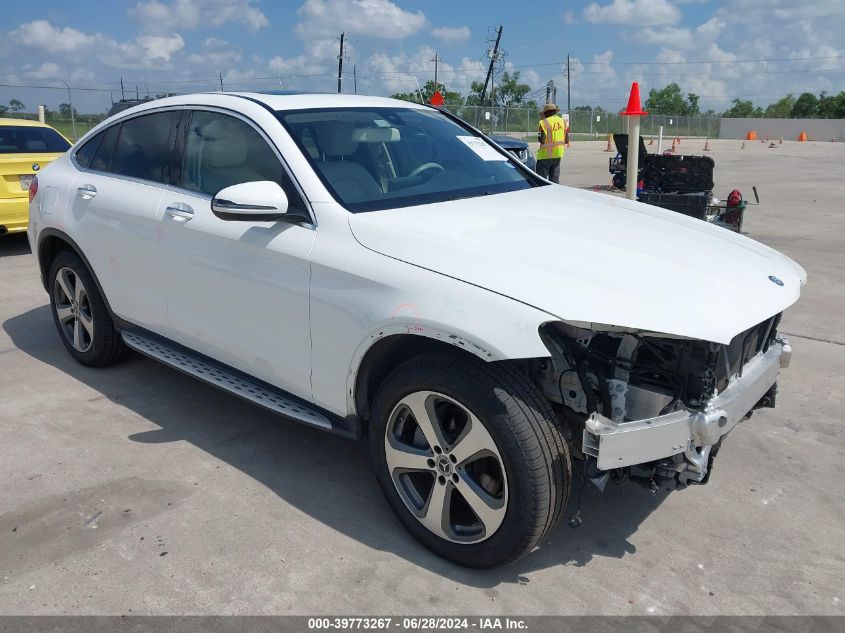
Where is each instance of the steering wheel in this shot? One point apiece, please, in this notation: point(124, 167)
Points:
point(424, 167)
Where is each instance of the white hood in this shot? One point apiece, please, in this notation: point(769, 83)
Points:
point(593, 258)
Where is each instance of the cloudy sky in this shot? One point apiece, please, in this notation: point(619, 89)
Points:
point(720, 49)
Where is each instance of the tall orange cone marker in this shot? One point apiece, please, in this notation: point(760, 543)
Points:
point(609, 143)
point(635, 111)
point(672, 149)
point(803, 136)
point(707, 145)
point(751, 136)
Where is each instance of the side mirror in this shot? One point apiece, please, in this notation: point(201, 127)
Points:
point(259, 201)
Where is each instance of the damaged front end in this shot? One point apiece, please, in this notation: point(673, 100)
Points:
point(651, 407)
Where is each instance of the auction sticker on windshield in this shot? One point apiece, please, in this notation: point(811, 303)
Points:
point(484, 151)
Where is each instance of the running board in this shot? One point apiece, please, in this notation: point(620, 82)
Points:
point(226, 379)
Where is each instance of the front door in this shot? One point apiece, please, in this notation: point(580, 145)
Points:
point(237, 291)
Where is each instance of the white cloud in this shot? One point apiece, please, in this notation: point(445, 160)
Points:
point(374, 18)
point(216, 53)
point(41, 34)
point(569, 17)
point(155, 16)
point(633, 12)
point(451, 34)
point(160, 48)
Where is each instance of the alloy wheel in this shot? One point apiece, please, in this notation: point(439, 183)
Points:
point(73, 309)
point(446, 467)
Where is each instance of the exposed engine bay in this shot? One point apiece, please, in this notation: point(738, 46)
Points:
point(606, 383)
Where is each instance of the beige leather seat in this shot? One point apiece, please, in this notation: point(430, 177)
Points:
point(350, 180)
point(223, 157)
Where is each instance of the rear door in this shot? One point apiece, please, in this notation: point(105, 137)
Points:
point(115, 200)
point(237, 291)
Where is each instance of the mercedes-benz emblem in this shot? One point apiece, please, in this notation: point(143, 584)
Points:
point(775, 280)
point(35, 166)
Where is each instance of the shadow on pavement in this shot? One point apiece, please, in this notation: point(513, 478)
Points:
point(325, 476)
point(14, 244)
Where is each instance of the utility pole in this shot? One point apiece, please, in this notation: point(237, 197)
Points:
point(122, 96)
point(568, 82)
point(435, 60)
point(221, 82)
point(137, 98)
point(355, 77)
point(340, 63)
point(493, 57)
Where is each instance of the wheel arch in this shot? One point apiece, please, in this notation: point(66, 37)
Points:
point(389, 347)
point(51, 242)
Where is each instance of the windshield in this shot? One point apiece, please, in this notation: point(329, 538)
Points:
point(381, 158)
point(22, 139)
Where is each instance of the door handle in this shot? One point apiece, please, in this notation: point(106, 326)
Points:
point(86, 192)
point(179, 211)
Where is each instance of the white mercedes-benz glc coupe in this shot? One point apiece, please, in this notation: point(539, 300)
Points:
point(382, 270)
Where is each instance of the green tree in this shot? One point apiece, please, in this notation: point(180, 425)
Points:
point(692, 104)
point(781, 109)
point(508, 92)
point(742, 110)
point(15, 105)
point(806, 106)
point(452, 98)
point(831, 106)
point(3, 110)
point(668, 100)
point(65, 110)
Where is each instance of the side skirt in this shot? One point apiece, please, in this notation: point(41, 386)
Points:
point(237, 383)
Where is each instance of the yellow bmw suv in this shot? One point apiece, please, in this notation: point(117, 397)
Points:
point(25, 148)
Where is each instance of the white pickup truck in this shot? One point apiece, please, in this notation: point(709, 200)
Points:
point(379, 269)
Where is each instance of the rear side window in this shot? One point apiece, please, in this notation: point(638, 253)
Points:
point(21, 139)
point(85, 154)
point(103, 156)
point(145, 147)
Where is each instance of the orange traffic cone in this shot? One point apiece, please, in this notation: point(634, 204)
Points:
point(609, 143)
point(707, 145)
point(751, 136)
point(803, 136)
point(673, 146)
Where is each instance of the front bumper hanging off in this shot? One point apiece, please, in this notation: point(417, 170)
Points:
point(686, 435)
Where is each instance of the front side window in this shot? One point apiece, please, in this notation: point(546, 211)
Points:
point(221, 151)
point(145, 147)
point(380, 158)
point(97, 152)
point(25, 139)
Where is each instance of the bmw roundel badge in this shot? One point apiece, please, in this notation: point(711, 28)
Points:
point(35, 166)
point(775, 280)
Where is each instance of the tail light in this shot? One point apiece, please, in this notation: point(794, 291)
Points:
point(33, 189)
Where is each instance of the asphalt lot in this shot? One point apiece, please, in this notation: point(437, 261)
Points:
point(138, 490)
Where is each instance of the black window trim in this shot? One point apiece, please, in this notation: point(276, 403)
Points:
point(180, 136)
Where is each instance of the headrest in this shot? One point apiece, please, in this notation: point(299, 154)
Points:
point(223, 143)
point(375, 135)
point(336, 138)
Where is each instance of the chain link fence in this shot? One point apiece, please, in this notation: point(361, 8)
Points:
point(71, 128)
point(522, 122)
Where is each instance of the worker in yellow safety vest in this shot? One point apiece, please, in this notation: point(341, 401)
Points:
point(552, 137)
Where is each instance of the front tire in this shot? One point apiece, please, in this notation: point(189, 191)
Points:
point(469, 457)
point(80, 314)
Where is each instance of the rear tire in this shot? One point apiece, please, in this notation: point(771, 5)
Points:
point(80, 313)
point(496, 462)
